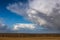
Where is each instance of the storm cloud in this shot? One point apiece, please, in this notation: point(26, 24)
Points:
point(45, 13)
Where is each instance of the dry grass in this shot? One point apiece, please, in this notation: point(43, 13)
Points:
point(29, 36)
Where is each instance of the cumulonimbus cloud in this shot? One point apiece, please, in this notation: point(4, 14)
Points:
point(42, 12)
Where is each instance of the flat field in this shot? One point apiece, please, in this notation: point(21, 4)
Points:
point(29, 36)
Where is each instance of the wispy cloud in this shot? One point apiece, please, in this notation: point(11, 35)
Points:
point(19, 8)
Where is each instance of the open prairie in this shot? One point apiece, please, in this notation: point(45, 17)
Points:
point(29, 36)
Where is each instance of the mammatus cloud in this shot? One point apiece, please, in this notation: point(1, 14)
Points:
point(42, 12)
point(19, 26)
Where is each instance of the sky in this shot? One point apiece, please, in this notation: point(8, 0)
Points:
point(29, 16)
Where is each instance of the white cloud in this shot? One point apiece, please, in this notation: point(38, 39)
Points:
point(1, 25)
point(41, 12)
point(19, 26)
